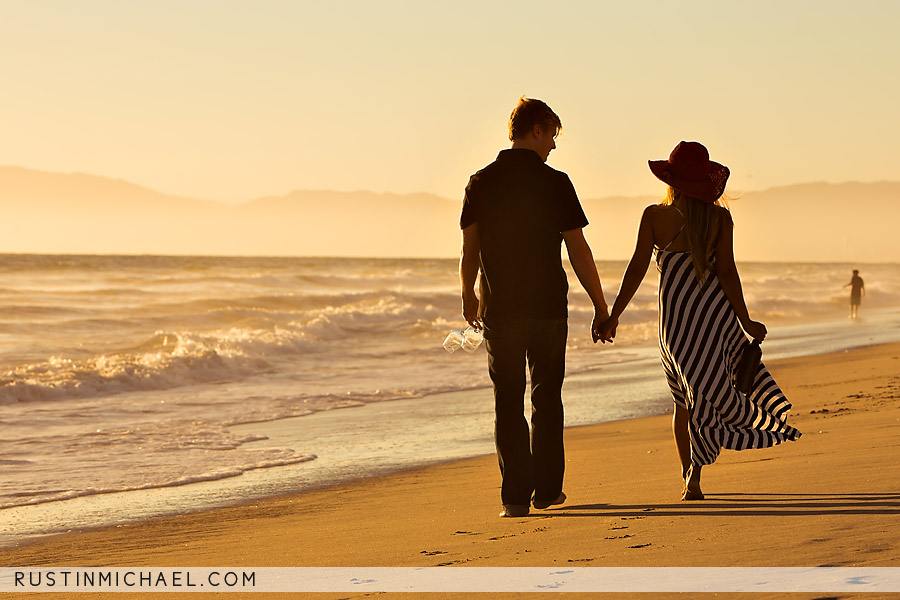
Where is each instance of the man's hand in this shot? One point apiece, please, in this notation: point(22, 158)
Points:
point(469, 263)
point(470, 310)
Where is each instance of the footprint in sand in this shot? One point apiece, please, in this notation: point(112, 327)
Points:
point(456, 562)
point(826, 411)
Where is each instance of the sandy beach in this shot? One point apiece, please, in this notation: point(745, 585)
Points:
point(830, 499)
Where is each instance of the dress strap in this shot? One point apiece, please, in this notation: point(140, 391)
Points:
point(666, 247)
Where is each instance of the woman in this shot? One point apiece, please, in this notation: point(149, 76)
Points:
point(701, 314)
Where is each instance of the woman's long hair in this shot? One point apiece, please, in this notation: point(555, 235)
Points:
point(701, 224)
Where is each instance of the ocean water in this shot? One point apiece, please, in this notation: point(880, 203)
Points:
point(219, 379)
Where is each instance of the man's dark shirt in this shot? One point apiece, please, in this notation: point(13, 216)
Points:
point(521, 206)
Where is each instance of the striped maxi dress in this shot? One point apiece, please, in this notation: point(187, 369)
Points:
point(700, 342)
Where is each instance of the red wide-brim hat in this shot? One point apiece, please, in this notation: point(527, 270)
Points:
point(690, 171)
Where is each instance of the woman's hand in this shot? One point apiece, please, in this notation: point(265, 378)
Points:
point(756, 330)
point(606, 330)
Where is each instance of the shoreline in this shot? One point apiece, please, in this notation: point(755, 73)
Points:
point(639, 357)
point(640, 392)
point(828, 499)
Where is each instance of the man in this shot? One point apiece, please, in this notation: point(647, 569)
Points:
point(516, 213)
point(857, 291)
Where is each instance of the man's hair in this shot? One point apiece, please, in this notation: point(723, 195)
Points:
point(528, 113)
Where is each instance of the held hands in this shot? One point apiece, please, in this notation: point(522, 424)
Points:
point(604, 328)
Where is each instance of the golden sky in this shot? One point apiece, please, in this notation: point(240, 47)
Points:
point(232, 100)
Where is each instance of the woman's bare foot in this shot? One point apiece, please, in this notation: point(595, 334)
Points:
point(692, 484)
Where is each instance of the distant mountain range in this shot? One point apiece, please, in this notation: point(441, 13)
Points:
point(76, 213)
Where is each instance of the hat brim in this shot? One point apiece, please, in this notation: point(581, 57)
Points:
point(709, 189)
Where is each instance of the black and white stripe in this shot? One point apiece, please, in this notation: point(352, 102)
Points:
point(700, 342)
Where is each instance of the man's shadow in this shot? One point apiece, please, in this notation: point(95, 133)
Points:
point(746, 505)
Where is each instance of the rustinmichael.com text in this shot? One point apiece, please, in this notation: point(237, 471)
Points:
point(125, 579)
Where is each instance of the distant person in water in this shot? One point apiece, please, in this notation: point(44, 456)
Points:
point(703, 317)
point(857, 292)
point(516, 213)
